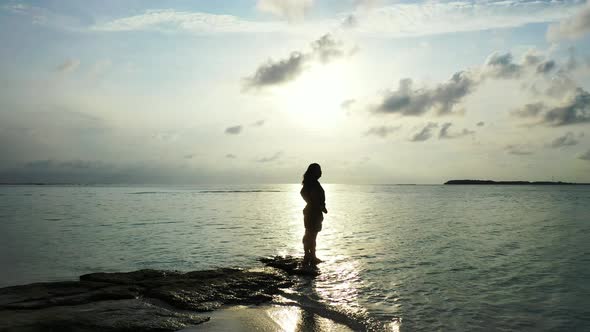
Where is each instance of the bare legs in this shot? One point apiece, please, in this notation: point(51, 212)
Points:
point(309, 242)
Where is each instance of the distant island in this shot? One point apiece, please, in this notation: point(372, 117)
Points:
point(490, 182)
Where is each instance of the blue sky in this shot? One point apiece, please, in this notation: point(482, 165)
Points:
point(375, 91)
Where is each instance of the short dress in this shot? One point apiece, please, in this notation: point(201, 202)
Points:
point(314, 196)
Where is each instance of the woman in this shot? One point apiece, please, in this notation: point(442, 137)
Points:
point(313, 194)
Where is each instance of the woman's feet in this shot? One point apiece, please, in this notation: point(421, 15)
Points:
point(311, 260)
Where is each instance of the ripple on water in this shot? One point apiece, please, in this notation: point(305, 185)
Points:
point(437, 258)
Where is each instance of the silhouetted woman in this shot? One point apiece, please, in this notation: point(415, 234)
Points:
point(313, 194)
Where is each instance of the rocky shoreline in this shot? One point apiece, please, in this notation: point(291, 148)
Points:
point(144, 300)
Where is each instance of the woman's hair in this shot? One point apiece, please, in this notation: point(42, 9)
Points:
point(313, 173)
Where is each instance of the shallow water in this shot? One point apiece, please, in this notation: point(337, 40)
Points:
point(421, 258)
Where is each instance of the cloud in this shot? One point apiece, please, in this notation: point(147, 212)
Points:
point(532, 58)
point(555, 80)
point(327, 48)
point(444, 98)
point(441, 99)
point(258, 123)
point(546, 67)
point(189, 156)
point(38, 164)
point(93, 171)
point(481, 124)
point(382, 131)
point(292, 10)
point(444, 132)
point(407, 19)
point(233, 130)
point(501, 66)
point(559, 86)
point(168, 20)
point(271, 158)
point(574, 110)
point(272, 73)
point(529, 110)
point(349, 22)
point(82, 164)
point(572, 27)
point(66, 171)
point(372, 18)
point(518, 150)
point(425, 133)
point(69, 65)
point(275, 73)
point(230, 156)
point(568, 139)
point(585, 155)
point(572, 61)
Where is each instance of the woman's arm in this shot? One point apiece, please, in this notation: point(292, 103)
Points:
point(322, 198)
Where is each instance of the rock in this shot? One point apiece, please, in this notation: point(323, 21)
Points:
point(54, 296)
point(291, 265)
point(145, 300)
point(121, 315)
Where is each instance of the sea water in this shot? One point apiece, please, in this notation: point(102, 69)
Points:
point(414, 258)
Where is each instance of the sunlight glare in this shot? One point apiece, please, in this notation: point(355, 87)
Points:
point(315, 99)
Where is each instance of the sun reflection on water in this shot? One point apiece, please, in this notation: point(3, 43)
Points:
point(340, 281)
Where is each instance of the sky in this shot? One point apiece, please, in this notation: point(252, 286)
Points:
point(246, 91)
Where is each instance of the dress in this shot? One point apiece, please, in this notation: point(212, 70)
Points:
point(314, 196)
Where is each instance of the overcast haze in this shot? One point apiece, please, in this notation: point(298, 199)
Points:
point(188, 92)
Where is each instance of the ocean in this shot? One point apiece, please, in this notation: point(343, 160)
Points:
point(413, 258)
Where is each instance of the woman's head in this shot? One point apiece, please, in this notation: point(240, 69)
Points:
point(313, 173)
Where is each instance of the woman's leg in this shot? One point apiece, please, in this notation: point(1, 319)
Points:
point(306, 244)
point(312, 243)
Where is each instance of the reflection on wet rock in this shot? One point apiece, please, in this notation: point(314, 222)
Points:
point(291, 265)
point(145, 300)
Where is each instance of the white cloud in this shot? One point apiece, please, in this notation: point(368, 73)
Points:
point(571, 27)
point(195, 22)
point(292, 10)
point(414, 19)
point(396, 20)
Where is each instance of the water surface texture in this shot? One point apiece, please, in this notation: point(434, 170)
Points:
point(417, 258)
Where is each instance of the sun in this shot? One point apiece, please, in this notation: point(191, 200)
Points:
point(315, 99)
